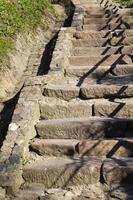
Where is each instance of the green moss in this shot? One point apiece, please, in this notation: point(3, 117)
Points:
point(126, 3)
point(20, 16)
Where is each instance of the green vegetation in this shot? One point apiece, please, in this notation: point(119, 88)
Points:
point(20, 16)
point(126, 3)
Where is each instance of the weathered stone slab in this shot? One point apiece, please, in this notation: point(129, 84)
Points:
point(118, 171)
point(106, 20)
point(85, 128)
point(93, 15)
point(59, 172)
point(126, 11)
point(128, 33)
point(108, 148)
point(109, 50)
point(99, 72)
point(88, 71)
point(117, 108)
point(91, 34)
point(119, 25)
point(128, 41)
point(123, 70)
point(96, 27)
point(56, 108)
point(90, 51)
point(26, 195)
point(30, 191)
point(95, 42)
point(95, 20)
point(90, 11)
point(122, 192)
point(54, 147)
point(103, 34)
point(65, 92)
point(100, 60)
point(106, 91)
point(31, 93)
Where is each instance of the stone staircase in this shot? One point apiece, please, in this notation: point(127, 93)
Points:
point(85, 132)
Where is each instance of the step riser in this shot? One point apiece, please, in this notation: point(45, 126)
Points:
point(83, 129)
point(99, 60)
point(63, 175)
point(93, 42)
point(62, 147)
point(95, 21)
point(107, 20)
point(114, 109)
point(108, 148)
point(118, 171)
point(128, 41)
point(101, 34)
point(114, 87)
point(123, 26)
point(54, 147)
point(96, 27)
point(99, 72)
point(96, 42)
point(106, 91)
point(60, 110)
point(61, 92)
point(101, 51)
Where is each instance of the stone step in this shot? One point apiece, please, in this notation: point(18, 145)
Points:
point(95, 15)
point(90, 10)
point(118, 171)
point(89, 88)
point(102, 42)
point(115, 87)
point(114, 108)
point(86, 51)
point(95, 2)
point(54, 147)
point(61, 172)
point(102, 34)
point(122, 192)
point(53, 108)
point(90, 51)
point(121, 25)
point(91, 42)
point(123, 70)
point(127, 41)
point(30, 192)
point(122, 19)
point(84, 128)
point(96, 27)
point(91, 71)
point(126, 11)
point(95, 20)
point(69, 147)
point(108, 148)
point(100, 60)
point(65, 92)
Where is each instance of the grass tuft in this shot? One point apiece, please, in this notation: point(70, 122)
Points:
point(126, 3)
point(20, 16)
